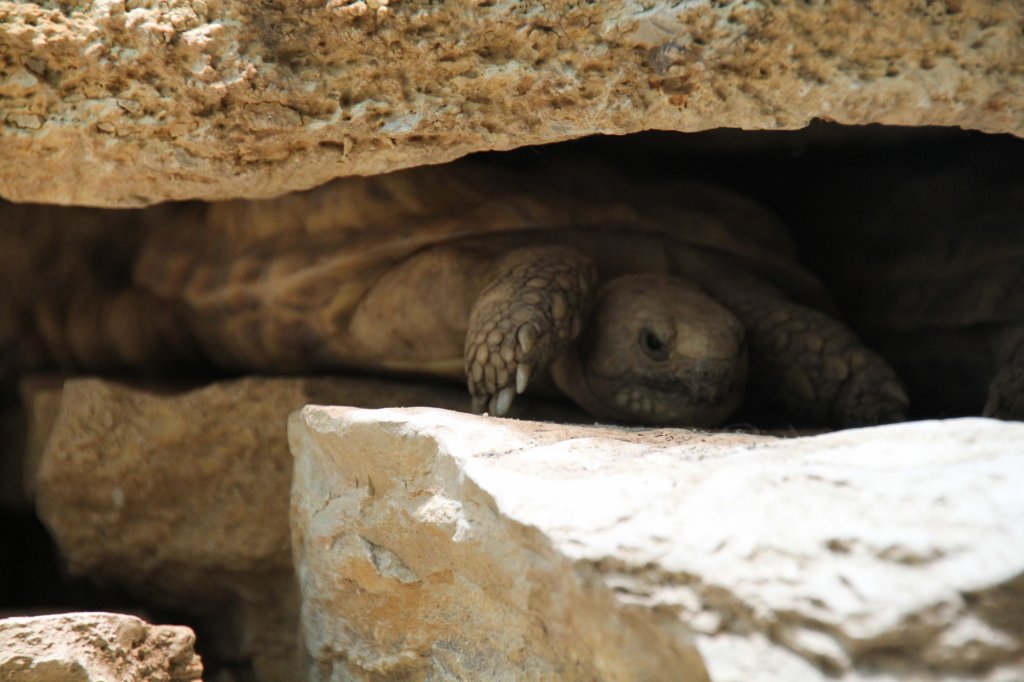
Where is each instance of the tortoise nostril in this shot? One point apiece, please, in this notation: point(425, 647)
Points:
point(653, 345)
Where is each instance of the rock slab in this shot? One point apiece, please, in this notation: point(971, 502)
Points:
point(95, 647)
point(131, 103)
point(453, 546)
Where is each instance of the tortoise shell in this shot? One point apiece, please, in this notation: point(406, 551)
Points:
point(269, 279)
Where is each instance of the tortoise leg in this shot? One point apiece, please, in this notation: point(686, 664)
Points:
point(816, 368)
point(523, 319)
point(1006, 392)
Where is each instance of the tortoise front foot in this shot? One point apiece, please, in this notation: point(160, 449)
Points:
point(872, 394)
point(818, 370)
point(523, 319)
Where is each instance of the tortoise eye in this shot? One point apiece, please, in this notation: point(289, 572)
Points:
point(653, 345)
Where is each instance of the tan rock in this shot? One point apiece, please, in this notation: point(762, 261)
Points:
point(113, 104)
point(95, 647)
point(176, 494)
point(121, 460)
point(182, 496)
point(182, 499)
point(449, 545)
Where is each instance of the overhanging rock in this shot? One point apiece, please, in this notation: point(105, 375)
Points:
point(472, 547)
point(127, 104)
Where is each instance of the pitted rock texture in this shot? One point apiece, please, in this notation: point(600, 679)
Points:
point(428, 542)
point(95, 647)
point(130, 103)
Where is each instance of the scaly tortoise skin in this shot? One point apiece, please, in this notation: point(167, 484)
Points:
point(645, 302)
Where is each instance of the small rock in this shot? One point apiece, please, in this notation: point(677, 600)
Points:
point(95, 647)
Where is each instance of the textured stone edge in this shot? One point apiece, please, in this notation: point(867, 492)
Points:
point(231, 101)
point(470, 592)
point(85, 646)
point(954, 623)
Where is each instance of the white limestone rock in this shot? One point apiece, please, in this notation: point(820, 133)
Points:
point(95, 647)
point(450, 545)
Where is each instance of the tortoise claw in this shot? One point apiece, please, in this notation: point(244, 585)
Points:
point(522, 377)
point(501, 402)
point(524, 318)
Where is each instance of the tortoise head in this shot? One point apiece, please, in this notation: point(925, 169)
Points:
point(657, 350)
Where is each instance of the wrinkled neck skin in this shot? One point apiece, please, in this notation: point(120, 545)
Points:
point(568, 375)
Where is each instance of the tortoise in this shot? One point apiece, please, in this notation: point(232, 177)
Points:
point(931, 270)
point(643, 301)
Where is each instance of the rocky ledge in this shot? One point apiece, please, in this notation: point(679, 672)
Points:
point(217, 99)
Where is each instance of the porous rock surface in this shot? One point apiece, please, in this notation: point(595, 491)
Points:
point(463, 547)
point(95, 647)
point(126, 103)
